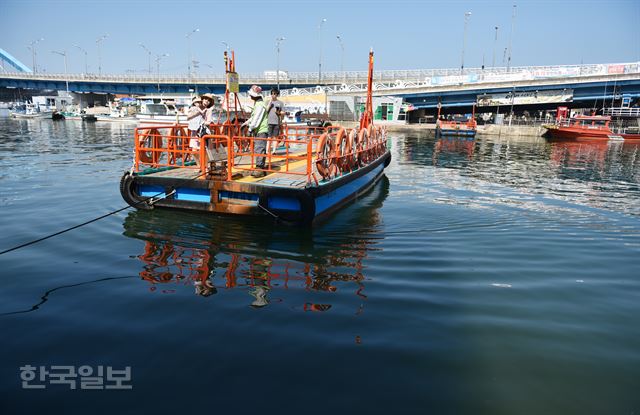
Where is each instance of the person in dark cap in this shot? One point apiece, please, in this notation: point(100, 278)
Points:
point(274, 117)
point(258, 127)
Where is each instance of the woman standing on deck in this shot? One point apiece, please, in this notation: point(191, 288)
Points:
point(195, 116)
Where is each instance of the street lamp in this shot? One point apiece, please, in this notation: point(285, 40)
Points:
point(278, 40)
point(85, 58)
point(66, 77)
point(320, 42)
point(495, 43)
point(190, 63)
point(148, 52)
point(33, 52)
point(342, 55)
point(513, 18)
point(158, 57)
point(464, 40)
point(99, 43)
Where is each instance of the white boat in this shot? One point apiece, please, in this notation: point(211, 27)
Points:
point(31, 111)
point(120, 111)
point(158, 111)
point(111, 118)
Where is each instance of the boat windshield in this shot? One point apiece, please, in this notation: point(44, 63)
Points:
point(597, 122)
point(156, 109)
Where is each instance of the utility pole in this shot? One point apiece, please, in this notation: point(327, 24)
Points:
point(513, 19)
point(86, 67)
point(149, 53)
point(464, 40)
point(99, 43)
point(495, 43)
point(342, 53)
point(190, 63)
point(278, 40)
point(320, 42)
point(32, 46)
point(66, 76)
point(158, 57)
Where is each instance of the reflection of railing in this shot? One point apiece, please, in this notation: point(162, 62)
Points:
point(168, 264)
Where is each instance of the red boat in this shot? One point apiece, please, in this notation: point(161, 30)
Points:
point(591, 127)
point(457, 127)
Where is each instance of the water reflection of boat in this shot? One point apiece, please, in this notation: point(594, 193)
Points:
point(460, 145)
point(593, 154)
point(218, 254)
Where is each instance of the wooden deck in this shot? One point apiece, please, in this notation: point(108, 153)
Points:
point(242, 172)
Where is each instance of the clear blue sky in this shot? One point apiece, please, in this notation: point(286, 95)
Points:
point(404, 34)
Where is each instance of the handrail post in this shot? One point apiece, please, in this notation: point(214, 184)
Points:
point(252, 151)
point(203, 164)
point(137, 150)
point(229, 156)
point(309, 154)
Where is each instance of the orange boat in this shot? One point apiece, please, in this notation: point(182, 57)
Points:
point(308, 172)
point(458, 127)
point(591, 127)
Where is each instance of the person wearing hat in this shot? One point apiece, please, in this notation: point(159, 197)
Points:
point(195, 117)
point(274, 116)
point(208, 100)
point(258, 127)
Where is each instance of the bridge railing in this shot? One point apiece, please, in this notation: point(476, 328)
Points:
point(431, 76)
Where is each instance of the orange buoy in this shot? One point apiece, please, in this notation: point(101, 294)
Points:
point(353, 149)
point(324, 156)
point(151, 140)
point(343, 150)
point(363, 144)
point(176, 142)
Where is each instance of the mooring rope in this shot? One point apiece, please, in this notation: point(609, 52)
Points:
point(150, 198)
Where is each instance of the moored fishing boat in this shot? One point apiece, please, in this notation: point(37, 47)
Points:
point(31, 111)
point(309, 172)
point(588, 127)
point(456, 127)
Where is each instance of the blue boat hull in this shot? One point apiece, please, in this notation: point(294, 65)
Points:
point(455, 133)
point(295, 205)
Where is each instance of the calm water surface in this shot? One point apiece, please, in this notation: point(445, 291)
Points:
point(493, 276)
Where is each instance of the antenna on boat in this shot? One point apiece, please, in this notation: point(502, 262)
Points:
point(367, 117)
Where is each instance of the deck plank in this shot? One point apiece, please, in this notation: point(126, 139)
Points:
point(241, 165)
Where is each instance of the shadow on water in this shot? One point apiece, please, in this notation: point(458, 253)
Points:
point(210, 252)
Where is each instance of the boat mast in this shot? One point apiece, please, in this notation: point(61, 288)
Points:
point(367, 117)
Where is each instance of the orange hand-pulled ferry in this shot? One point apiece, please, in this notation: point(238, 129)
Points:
point(312, 172)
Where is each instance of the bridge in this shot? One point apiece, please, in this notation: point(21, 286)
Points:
point(423, 89)
point(539, 87)
point(12, 62)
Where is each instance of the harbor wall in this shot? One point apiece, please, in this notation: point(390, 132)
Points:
point(514, 131)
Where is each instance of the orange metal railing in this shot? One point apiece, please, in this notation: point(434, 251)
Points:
point(342, 150)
